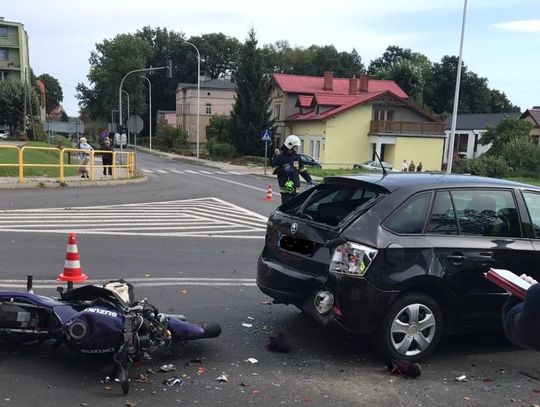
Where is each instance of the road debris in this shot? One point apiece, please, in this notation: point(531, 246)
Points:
point(167, 368)
point(404, 368)
point(251, 360)
point(530, 375)
point(222, 378)
point(246, 325)
point(201, 370)
point(172, 381)
point(461, 378)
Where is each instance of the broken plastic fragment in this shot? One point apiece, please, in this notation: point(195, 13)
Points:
point(167, 368)
point(252, 360)
point(245, 324)
point(172, 381)
point(461, 378)
point(222, 378)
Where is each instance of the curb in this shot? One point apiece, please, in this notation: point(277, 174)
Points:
point(53, 183)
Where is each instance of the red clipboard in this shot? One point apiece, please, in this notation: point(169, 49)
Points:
point(509, 281)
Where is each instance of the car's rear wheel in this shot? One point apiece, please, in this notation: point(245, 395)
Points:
point(411, 329)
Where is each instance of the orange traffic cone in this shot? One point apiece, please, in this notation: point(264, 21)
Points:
point(269, 196)
point(72, 266)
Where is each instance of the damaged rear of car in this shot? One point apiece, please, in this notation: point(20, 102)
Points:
point(308, 260)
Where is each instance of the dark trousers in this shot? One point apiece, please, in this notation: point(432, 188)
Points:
point(286, 197)
point(107, 165)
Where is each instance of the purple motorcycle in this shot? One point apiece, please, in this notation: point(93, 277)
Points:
point(96, 320)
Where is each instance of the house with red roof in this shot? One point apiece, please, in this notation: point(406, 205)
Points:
point(344, 121)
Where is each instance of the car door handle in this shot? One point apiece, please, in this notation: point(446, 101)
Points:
point(486, 254)
point(456, 258)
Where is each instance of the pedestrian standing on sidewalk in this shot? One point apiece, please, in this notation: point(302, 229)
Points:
point(84, 157)
point(107, 158)
point(288, 167)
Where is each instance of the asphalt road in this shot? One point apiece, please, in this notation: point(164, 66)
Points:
point(208, 274)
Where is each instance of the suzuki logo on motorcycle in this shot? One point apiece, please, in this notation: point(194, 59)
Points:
point(102, 312)
point(106, 350)
point(294, 228)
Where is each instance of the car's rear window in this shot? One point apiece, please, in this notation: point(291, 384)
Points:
point(331, 203)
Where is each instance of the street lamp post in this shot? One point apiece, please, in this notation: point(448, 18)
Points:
point(127, 94)
point(198, 91)
point(456, 97)
point(149, 110)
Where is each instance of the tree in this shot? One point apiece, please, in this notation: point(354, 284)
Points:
point(11, 103)
point(390, 57)
point(508, 131)
point(53, 92)
point(218, 129)
point(111, 60)
point(499, 103)
point(219, 54)
point(250, 112)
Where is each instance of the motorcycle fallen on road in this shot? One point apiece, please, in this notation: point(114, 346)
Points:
point(94, 319)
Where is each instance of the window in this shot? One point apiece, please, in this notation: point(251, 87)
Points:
point(208, 108)
point(277, 112)
point(410, 217)
point(3, 32)
point(383, 115)
point(330, 203)
point(3, 54)
point(533, 206)
point(486, 213)
point(460, 143)
point(443, 217)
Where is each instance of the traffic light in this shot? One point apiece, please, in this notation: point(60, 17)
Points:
point(169, 69)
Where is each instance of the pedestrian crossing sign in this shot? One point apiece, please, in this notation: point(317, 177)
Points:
point(266, 135)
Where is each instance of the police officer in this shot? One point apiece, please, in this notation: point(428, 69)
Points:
point(288, 167)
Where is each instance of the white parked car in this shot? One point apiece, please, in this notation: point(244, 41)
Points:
point(3, 135)
point(375, 166)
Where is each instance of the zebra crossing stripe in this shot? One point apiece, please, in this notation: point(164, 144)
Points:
point(162, 171)
point(201, 217)
point(206, 172)
point(191, 172)
point(148, 171)
point(235, 173)
point(221, 172)
point(177, 172)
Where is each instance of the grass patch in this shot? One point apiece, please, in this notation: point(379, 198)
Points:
point(526, 180)
point(318, 172)
point(42, 159)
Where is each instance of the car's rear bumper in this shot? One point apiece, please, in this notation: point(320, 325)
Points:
point(359, 305)
point(284, 284)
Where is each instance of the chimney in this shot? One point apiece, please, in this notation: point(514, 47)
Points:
point(353, 86)
point(364, 80)
point(328, 80)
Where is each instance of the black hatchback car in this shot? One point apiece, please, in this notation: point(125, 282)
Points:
point(402, 256)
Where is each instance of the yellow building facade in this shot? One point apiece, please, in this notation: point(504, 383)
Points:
point(350, 138)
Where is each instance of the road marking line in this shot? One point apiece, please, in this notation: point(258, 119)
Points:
point(191, 172)
point(162, 171)
point(235, 173)
point(206, 172)
point(146, 170)
point(177, 172)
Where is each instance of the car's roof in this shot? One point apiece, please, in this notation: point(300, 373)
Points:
point(394, 181)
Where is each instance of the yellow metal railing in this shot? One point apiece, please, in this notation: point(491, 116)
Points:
point(120, 160)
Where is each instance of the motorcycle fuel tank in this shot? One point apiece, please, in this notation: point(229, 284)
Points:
point(95, 330)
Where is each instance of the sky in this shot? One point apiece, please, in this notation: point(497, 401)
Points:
point(501, 41)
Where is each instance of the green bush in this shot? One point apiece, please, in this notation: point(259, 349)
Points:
point(489, 166)
point(223, 150)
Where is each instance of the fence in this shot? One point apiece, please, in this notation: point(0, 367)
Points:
point(123, 162)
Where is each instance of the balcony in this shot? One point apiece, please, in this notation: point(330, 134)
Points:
point(386, 127)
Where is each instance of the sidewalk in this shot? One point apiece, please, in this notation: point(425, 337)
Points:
point(100, 180)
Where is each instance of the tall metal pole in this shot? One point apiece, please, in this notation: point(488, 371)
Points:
point(456, 97)
point(149, 110)
point(198, 91)
point(127, 94)
point(122, 84)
